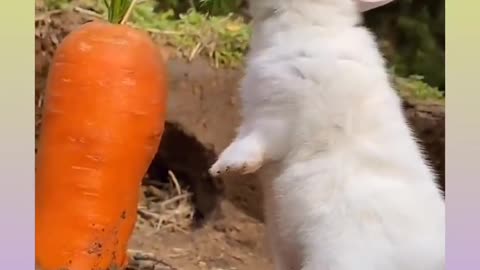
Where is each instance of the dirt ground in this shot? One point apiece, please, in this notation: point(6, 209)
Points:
point(234, 241)
point(186, 219)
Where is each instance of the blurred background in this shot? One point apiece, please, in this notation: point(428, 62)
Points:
point(412, 33)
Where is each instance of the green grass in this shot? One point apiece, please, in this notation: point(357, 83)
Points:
point(223, 39)
point(416, 87)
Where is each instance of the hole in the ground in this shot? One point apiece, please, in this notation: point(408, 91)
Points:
point(189, 160)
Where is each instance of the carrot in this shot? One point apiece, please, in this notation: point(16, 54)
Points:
point(103, 119)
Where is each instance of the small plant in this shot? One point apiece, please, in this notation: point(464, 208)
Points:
point(415, 86)
point(223, 39)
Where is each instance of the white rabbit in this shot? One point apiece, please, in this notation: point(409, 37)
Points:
point(346, 185)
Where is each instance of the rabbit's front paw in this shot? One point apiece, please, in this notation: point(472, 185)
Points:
point(243, 156)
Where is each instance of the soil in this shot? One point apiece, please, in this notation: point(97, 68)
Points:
point(232, 241)
point(226, 231)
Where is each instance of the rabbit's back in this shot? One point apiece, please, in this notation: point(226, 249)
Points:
point(318, 79)
point(352, 186)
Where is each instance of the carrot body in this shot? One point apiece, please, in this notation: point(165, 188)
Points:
point(102, 124)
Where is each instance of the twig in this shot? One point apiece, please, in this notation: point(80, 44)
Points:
point(140, 255)
point(40, 101)
point(87, 12)
point(129, 11)
point(175, 182)
point(195, 51)
point(146, 260)
point(174, 199)
point(148, 213)
point(161, 32)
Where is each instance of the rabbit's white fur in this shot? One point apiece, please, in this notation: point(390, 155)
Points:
point(346, 186)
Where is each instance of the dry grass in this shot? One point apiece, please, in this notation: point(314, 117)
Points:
point(166, 207)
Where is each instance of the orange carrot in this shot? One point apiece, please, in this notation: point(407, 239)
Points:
point(103, 120)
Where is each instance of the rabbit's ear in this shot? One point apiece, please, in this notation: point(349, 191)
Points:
point(365, 5)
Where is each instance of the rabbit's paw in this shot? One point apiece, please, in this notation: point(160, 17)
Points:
point(243, 156)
